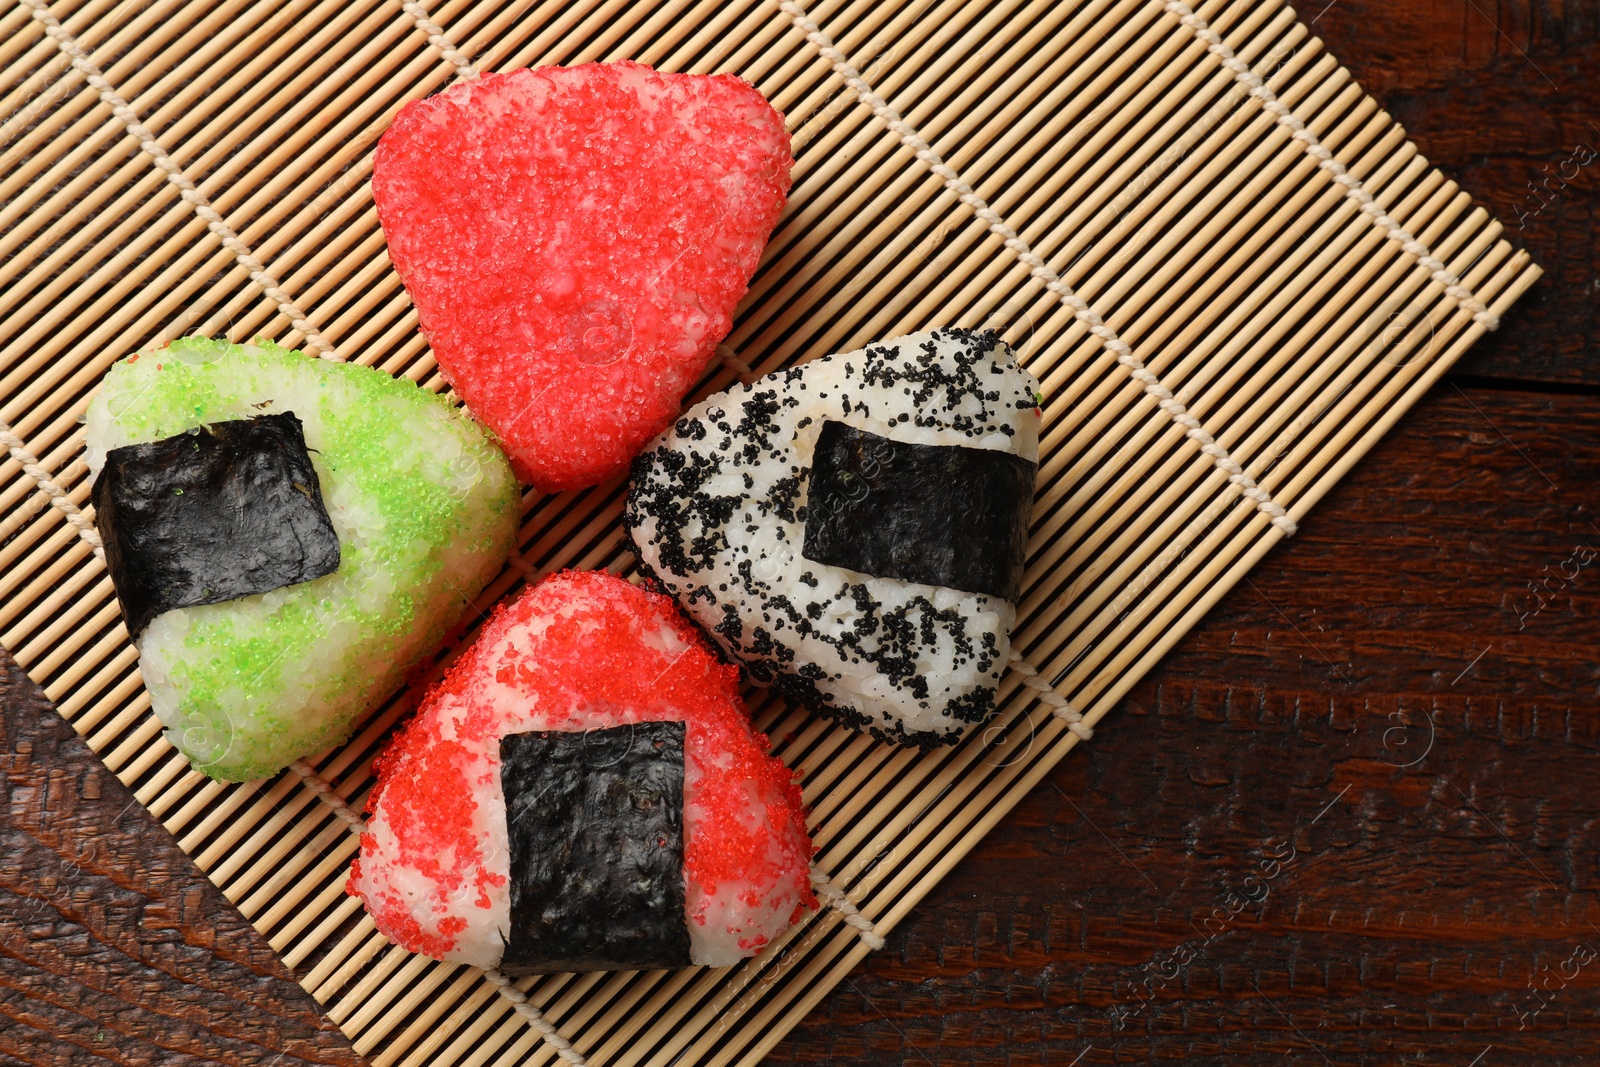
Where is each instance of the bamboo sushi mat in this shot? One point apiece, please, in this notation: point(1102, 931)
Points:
point(1229, 268)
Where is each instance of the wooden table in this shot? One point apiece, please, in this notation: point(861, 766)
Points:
point(1349, 820)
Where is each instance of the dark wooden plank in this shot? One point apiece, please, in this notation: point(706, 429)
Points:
point(1502, 97)
point(114, 948)
point(1374, 699)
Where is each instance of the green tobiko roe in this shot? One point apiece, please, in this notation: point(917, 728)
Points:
point(425, 508)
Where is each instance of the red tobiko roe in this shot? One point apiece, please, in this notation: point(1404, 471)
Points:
point(573, 641)
point(575, 240)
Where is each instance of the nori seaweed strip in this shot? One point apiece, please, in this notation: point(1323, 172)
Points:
point(221, 512)
point(934, 514)
point(595, 820)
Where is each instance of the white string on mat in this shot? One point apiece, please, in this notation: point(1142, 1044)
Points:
point(1317, 150)
point(839, 901)
point(448, 51)
point(730, 359)
point(521, 564)
point(324, 792)
point(48, 486)
point(1053, 282)
point(1060, 706)
point(125, 114)
point(519, 1001)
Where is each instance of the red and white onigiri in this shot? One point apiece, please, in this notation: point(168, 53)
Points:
point(579, 651)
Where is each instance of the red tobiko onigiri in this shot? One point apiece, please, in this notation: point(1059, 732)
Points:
point(575, 240)
point(584, 791)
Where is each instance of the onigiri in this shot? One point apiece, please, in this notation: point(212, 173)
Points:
point(288, 537)
point(853, 530)
point(584, 791)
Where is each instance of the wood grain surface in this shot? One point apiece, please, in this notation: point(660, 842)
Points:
point(1350, 820)
point(114, 948)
